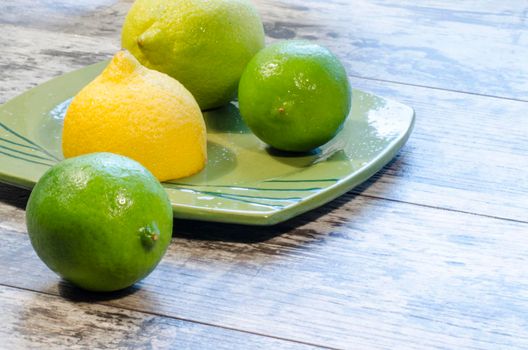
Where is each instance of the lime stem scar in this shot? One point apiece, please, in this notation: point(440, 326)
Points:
point(149, 234)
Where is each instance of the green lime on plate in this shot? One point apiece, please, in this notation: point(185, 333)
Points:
point(294, 95)
point(101, 221)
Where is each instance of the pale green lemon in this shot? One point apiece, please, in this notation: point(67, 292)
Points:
point(203, 44)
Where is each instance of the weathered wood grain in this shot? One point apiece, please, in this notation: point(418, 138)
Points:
point(464, 46)
point(95, 18)
point(38, 321)
point(468, 46)
point(361, 272)
point(466, 153)
point(358, 273)
point(30, 56)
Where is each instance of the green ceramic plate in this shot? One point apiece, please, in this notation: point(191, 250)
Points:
point(244, 181)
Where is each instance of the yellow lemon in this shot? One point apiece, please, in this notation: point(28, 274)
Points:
point(139, 113)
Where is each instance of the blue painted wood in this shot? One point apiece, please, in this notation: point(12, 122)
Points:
point(428, 255)
point(359, 273)
point(470, 46)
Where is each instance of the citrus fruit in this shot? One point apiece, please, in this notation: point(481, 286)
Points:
point(203, 44)
point(139, 113)
point(294, 95)
point(101, 221)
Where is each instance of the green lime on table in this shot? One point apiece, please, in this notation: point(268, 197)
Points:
point(203, 44)
point(101, 221)
point(294, 95)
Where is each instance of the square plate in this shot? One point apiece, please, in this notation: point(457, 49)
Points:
point(244, 181)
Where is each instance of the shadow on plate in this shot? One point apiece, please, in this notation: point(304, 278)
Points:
point(296, 159)
point(226, 119)
point(220, 162)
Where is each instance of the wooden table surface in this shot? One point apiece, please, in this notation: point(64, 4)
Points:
point(431, 253)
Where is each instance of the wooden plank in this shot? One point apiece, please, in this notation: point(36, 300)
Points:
point(31, 57)
point(471, 46)
point(38, 321)
point(358, 273)
point(100, 19)
point(466, 151)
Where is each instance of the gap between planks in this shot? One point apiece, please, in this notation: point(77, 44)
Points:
point(437, 88)
point(439, 208)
